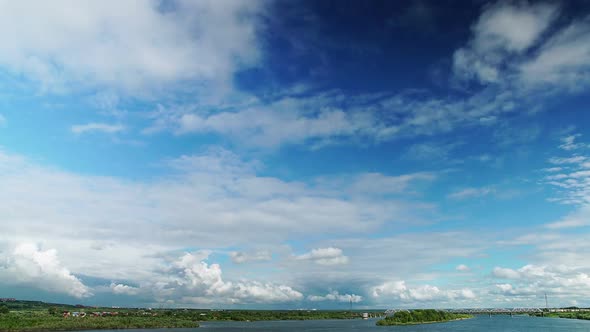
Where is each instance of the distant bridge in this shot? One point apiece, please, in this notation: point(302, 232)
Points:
point(506, 311)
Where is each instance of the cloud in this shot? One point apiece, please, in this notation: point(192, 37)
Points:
point(2, 120)
point(504, 29)
point(462, 268)
point(552, 169)
point(505, 273)
point(337, 297)
point(569, 223)
point(569, 143)
point(379, 184)
point(324, 256)
point(508, 136)
point(430, 151)
point(215, 161)
point(124, 289)
point(564, 60)
point(191, 279)
point(570, 160)
point(223, 189)
point(240, 257)
point(29, 265)
point(332, 117)
point(579, 218)
point(96, 44)
point(468, 193)
point(214, 199)
point(382, 259)
point(97, 127)
point(424, 293)
point(556, 248)
point(523, 46)
point(533, 280)
point(571, 178)
point(270, 128)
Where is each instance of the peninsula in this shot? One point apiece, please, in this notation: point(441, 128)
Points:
point(418, 316)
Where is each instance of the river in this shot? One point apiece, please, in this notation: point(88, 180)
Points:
point(502, 323)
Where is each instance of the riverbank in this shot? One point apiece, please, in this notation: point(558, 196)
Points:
point(36, 321)
point(569, 315)
point(416, 317)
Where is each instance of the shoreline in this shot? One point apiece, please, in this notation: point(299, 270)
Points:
point(428, 322)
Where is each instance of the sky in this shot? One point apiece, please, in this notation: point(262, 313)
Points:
point(295, 154)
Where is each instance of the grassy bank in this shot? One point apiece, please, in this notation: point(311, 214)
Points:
point(426, 316)
point(570, 315)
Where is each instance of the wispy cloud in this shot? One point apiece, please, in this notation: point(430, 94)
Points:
point(333, 117)
point(431, 151)
point(569, 143)
point(325, 256)
point(240, 257)
point(336, 296)
point(564, 60)
point(572, 175)
point(97, 127)
point(472, 193)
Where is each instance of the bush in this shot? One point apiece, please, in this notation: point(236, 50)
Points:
point(4, 309)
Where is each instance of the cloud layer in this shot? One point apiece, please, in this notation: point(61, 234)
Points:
point(99, 44)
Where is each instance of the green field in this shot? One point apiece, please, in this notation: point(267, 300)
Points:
point(424, 316)
point(37, 321)
point(571, 315)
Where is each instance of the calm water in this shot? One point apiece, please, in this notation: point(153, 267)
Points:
point(480, 323)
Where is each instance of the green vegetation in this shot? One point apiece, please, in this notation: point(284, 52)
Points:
point(256, 315)
point(420, 317)
point(38, 320)
point(4, 309)
point(37, 316)
point(571, 315)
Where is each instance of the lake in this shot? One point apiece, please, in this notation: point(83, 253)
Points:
point(502, 323)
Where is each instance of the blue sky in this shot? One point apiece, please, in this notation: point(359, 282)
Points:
point(275, 154)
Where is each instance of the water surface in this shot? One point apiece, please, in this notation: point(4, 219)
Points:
point(502, 323)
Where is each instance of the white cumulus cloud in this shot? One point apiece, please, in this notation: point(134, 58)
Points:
point(193, 279)
point(423, 293)
point(129, 46)
point(32, 266)
point(124, 289)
